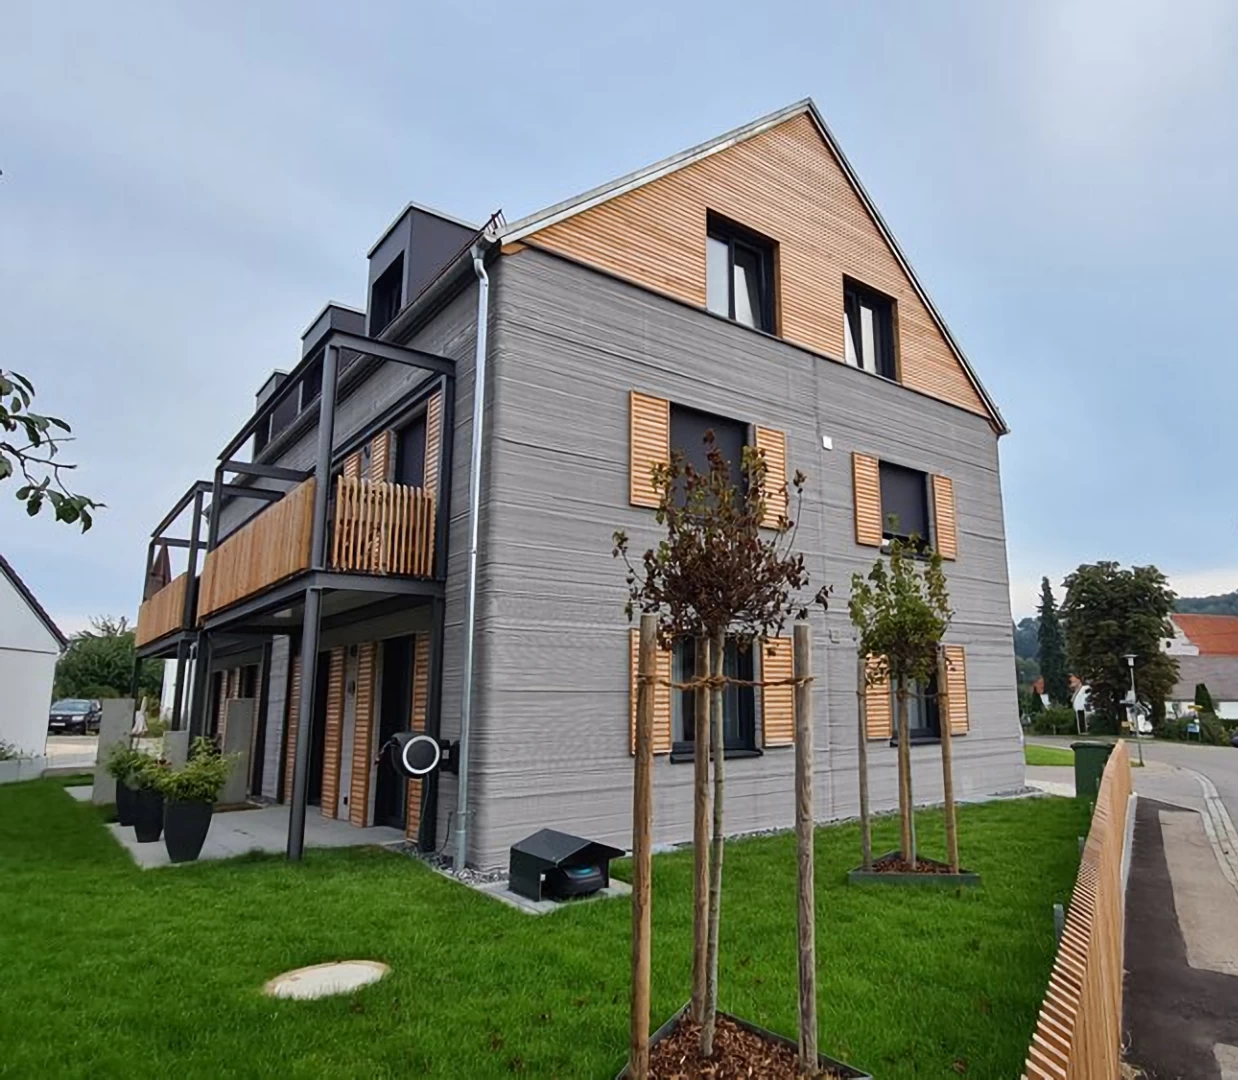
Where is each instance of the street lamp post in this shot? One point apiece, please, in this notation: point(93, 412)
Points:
point(1134, 706)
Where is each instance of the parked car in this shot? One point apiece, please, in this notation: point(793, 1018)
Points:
point(78, 716)
point(1234, 741)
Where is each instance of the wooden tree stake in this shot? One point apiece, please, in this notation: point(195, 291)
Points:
point(717, 659)
point(947, 758)
point(804, 822)
point(642, 848)
point(861, 693)
point(700, 831)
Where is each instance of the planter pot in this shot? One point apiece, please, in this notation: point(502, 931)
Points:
point(147, 815)
point(942, 880)
point(125, 796)
point(20, 769)
point(185, 825)
point(848, 1072)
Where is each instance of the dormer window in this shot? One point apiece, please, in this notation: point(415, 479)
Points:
point(387, 296)
point(739, 274)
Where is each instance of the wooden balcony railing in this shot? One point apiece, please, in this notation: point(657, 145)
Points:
point(270, 547)
point(163, 612)
point(383, 528)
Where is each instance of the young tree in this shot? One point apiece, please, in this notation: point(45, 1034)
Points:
point(719, 573)
point(1111, 612)
point(29, 443)
point(1052, 648)
point(901, 613)
point(1203, 699)
point(98, 663)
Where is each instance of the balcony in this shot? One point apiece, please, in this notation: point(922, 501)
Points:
point(379, 529)
point(162, 613)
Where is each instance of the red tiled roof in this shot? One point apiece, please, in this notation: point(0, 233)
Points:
point(1213, 635)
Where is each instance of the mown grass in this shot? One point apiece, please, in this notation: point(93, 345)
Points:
point(106, 970)
point(1047, 755)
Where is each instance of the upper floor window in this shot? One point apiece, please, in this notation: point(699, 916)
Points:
point(739, 274)
point(904, 503)
point(387, 296)
point(869, 318)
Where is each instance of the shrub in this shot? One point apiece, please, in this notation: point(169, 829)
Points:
point(201, 778)
point(1211, 730)
point(1055, 720)
point(122, 763)
point(156, 727)
point(8, 752)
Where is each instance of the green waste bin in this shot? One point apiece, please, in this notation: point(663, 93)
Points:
point(1090, 759)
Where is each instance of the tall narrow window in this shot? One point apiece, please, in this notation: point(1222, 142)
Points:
point(869, 329)
point(739, 274)
point(738, 702)
point(387, 296)
point(923, 715)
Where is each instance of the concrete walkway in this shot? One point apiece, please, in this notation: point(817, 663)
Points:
point(238, 832)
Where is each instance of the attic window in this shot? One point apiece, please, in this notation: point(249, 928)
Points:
point(739, 274)
point(387, 295)
point(869, 317)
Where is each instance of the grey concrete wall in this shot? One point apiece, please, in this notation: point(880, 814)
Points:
point(277, 706)
point(115, 727)
point(551, 741)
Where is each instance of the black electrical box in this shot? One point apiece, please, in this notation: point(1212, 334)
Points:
point(556, 866)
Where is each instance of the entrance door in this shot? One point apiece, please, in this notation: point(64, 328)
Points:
point(347, 732)
point(318, 737)
point(394, 713)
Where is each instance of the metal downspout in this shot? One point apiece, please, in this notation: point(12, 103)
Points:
point(470, 609)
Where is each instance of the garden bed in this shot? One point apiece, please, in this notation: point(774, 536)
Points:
point(892, 869)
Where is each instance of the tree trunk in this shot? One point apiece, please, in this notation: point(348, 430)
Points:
point(700, 832)
point(947, 759)
point(642, 848)
point(861, 693)
point(804, 822)
point(717, 659)
point(907, 839)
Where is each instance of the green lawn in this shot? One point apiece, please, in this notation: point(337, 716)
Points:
point(1048, 755)
point(106, 970)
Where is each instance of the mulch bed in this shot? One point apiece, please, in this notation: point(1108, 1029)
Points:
point(738, 1055)
point(896, 864)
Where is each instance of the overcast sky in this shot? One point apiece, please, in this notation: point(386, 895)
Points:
point(184, 185)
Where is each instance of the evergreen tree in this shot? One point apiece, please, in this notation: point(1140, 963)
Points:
point(1203, 699)
point(1052, 648)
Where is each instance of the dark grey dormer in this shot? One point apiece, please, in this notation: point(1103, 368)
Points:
point(408, 256)
point(263, 435)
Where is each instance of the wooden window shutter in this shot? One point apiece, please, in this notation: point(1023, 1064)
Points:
point(866, 474)
point(774, 445)
point(359, 798)
point(352, 465)
point(878, 710)
point(417, 722)
point(956, 689)
point(294, 706)
point(661, 698)
point(777, 702)
point(650, 445)
point(434, 442)
point(944, 523)
point(380, 457)
point(332, 722)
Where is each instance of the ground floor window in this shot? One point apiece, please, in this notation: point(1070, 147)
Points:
point(738, 702)
point(923, 715)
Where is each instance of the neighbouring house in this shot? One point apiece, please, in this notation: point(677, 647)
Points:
point(1206, 648)
point(30, 645)
point(391, 544)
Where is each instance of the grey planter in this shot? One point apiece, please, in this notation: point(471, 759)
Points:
point(965, 878)
point(850, 1072)
point(18, 769)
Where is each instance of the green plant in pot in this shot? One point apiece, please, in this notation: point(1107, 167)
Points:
point(189, 795)
point(121, 764)
point(146, 780)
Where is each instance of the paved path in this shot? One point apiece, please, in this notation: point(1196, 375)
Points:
point(71, 751)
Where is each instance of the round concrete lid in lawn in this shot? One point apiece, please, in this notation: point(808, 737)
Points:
point(323, 980)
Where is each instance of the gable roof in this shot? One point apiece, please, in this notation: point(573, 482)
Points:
point(543, 219)
point(1218, 673)
point(1213, 635)
point(32, 602)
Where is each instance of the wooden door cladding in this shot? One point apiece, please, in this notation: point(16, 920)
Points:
point(785, 184)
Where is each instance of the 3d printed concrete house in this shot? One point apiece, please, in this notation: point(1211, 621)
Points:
point(748, 285)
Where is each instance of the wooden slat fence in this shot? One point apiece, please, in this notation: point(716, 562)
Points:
point(163, 612)
point(382, 528)
point(268, 548)
point(1079, 1033)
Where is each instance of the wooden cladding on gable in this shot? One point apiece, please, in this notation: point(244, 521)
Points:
point(944, 523)
point(773, 444)
point(956, 689)
point(661, 697)
point(785, 184)
point(333, 726)
point(362, 740)
point(866, 480)
point(878, 707)
point(777, 702)
point(650, 445)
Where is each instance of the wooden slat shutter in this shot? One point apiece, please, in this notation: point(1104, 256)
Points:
point(878, 710)
point(380, 457)
point(650, 445)
point(352, 465)
point(294, 707)
point(777, 702)
point(661, 698)
point(434, 442)
point(943, 517)
point(956, 689)
point(333, 723)
point(359, 799)
point(866, 474)
point(417, 722)
point(774, 445)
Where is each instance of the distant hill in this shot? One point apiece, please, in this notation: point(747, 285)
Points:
point(1225, 604)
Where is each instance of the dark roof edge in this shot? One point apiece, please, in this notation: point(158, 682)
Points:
point(32, 601)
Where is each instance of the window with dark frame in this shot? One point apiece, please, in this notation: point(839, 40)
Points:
point(869, 329)
point(311, 383)
point(688, 428)
point(904, 504)
point(387, 296)
point(738, 702)
point(923, 715)
point(739, 274)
